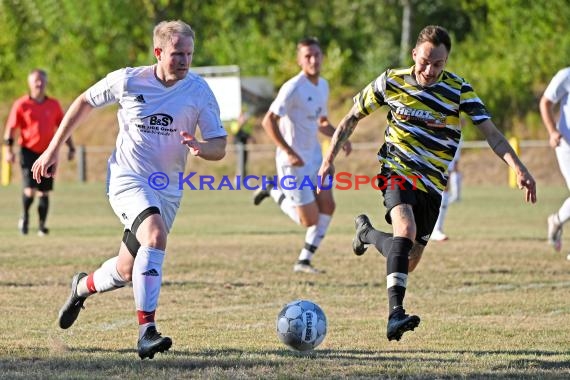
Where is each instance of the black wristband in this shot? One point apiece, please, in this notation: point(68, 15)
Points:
point(9, 141)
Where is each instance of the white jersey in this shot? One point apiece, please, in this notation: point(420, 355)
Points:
point(151, 117)
point(300, 104)
point(557, 92)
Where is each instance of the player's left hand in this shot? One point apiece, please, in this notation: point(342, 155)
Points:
point(525, 181)
point(327, 169)
point(191, 142)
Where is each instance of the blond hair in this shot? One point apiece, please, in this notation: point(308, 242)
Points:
point(164, 31)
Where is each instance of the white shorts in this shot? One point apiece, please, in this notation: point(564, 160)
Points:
point(299, 183)
point(130, 194)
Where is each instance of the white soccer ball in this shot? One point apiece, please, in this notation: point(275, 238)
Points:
point(301, 325)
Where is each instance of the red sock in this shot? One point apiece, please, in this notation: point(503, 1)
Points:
point(145, 317)
point(90, 283)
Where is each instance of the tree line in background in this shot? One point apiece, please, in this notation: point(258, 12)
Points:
point(508, 49)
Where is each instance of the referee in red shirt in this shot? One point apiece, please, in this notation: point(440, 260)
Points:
point(37, 116)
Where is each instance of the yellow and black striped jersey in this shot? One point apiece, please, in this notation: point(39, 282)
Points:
point(424, 126)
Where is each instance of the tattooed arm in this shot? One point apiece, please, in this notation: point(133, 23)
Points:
point(339, 138)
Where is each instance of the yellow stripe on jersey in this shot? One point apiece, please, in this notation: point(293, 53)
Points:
point(424, 126)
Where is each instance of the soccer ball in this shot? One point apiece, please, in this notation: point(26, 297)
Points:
point(301, 325)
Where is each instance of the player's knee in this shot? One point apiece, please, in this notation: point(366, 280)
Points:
point(406, 230)
point(125, 271)
point(155, 238)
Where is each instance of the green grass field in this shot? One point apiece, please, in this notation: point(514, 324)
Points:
point(494, 300)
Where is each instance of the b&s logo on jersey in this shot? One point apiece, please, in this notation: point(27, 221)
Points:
point(158, 123)
point(431, 119)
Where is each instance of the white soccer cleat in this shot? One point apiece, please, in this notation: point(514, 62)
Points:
point(437, 235)
point(304, 266)
point(554, 232)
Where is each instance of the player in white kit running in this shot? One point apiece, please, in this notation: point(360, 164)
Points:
point(558, 92)
point(293, 121)
point(160, 107)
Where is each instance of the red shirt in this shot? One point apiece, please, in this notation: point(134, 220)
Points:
point(37, 122)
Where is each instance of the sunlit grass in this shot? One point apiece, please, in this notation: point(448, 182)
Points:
point(493, 299)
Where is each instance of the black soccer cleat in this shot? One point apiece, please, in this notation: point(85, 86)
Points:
point(362, 223)
point(260, 194)
point(152, 342)
point(23, 225)
point(400, 322)
point(69, 312)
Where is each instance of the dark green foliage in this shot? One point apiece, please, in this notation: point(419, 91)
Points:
point(507, 49)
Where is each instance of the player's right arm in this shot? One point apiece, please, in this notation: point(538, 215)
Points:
point(46, 163)
point(549, 120)
point(8, 143)
point(556, 90)
point(270, 124)
point(13, 122)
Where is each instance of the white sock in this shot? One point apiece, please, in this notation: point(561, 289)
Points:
point(564, 211)
point(285, 204)
point(454, 187)
point(107, 277)
point(142, 328)
point(276, 194)
point(147, 278)
point(442, 211)
point(314, 236)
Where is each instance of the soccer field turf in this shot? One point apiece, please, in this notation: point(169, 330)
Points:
point(494, 299)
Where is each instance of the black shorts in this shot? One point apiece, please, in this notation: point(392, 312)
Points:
point(424, 205)
point(27, 159)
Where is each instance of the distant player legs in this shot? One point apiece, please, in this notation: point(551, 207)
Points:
point(31, 189)
point(316, 216)
point(314, 211)
point(563, 156)
point(27, 199)
point(43, 208)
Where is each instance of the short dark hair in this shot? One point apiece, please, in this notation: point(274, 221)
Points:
point(436, 35)
point(308, 41)
point(36, 70)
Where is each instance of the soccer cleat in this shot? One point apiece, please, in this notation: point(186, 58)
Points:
point(437, 235)
point(362, 223)
point(260, 194)
point(400, 322)
point(554, 232)
point(23, 226)
point(304, 266)
point(69, 312)
point(152, 342)
point(42, 231)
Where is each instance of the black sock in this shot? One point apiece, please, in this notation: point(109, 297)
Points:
point(43, 207)
point(381, 240)
point(397, 271)
point(26, 203)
